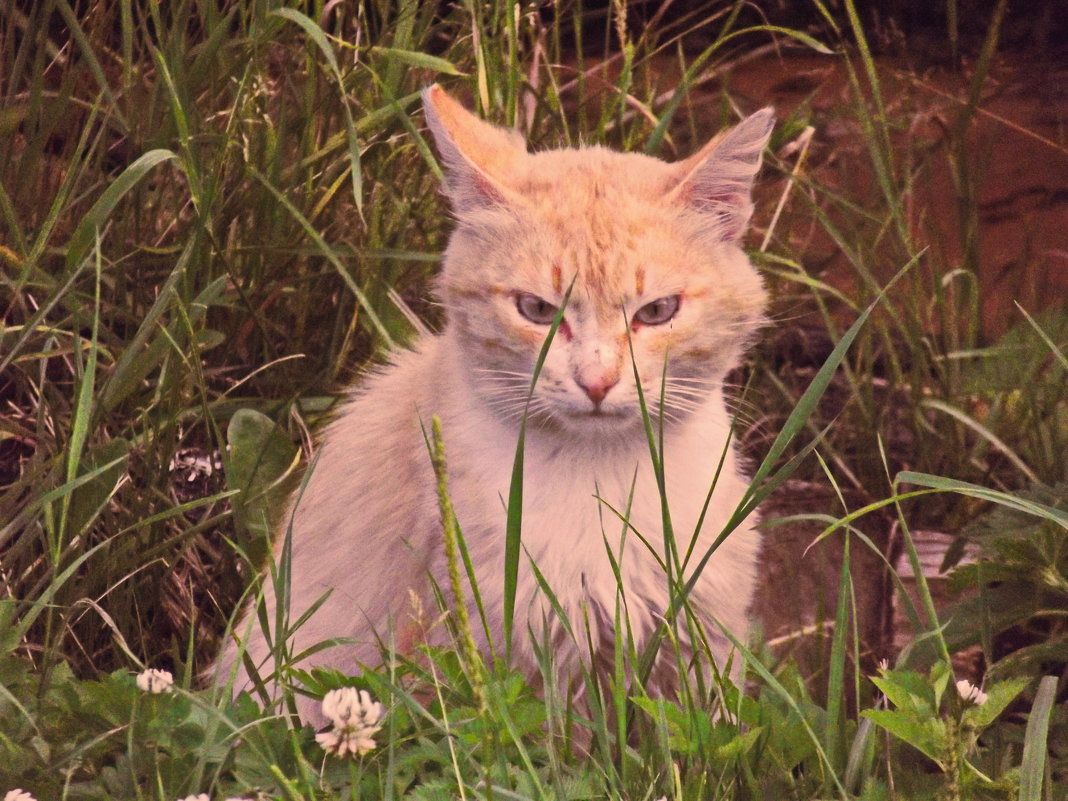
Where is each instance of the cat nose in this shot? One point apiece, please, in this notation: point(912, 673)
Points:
point(597, 386)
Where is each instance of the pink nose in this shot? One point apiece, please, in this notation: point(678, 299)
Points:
point(598, 387)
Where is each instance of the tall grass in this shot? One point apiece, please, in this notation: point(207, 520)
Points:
point(213, 215)
point(932, 400)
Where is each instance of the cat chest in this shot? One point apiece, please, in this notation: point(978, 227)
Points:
point(577, 519)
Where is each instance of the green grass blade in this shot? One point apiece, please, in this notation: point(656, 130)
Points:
point(513, 535)
point(807, 403)
point(83, 410)
point(190, 163)
point(14, 229)
point(451, 532)
point(970, 422)
point(43, 601)
point(316, 34)
point(876, 132)
point(791, 702)
point(29, 328)
point(1058, 354)
point(94, 220)
point(695, 67)
point(422, 61)
point(861, 753)
point(941, 484)
point(836, 676)
point(763, 481)
point(331, 256)
point(146, 352)
point(88, 52)
point(1033, 765)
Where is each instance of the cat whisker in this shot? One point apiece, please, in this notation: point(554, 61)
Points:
point(506, 382)
point(707, 387)
point(692, 387)
point(692, 379)
point(504, 392)
point(506, 401)
point(743, 417)
point(687, 392)
point(672, 416)
point(693, 400)
point(498, 372)
point(514, 407)
point(493, 386)
point(667, 415)
point(510, 405)
point(739, 402)
point(688, 404)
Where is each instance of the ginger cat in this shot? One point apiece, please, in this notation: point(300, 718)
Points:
point(653, 251)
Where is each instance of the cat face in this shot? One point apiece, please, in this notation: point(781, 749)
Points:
point(644, 254)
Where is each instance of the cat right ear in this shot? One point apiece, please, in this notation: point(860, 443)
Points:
point(718, 179)
point(479, 158)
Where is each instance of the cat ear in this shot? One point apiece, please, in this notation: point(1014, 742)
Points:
point(718, 179)
point(478, 157)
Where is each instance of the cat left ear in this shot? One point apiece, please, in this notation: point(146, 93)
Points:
point(718, 179)
point(479, 158)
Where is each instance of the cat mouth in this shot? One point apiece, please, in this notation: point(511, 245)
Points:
point(599, 413)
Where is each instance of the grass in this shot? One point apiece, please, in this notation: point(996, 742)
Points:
point(211, 214)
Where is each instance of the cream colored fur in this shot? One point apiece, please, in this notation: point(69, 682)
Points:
point(628, 229)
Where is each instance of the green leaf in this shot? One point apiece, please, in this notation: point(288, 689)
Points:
point(741, 744)
point(926, 735)
point(259, 455)
point(677, 721)
point(998, 696)
point(908, 691)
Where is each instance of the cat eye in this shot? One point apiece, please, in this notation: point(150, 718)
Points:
point(535, 309)
point(658, 312)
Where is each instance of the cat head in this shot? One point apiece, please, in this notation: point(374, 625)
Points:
point(649, 251)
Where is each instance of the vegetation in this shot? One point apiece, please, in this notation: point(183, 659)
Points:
point(211, 213)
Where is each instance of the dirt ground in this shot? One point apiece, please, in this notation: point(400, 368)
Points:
point(1017, 152)
point(1017, 149)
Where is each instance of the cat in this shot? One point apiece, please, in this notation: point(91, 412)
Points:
point(650, 253)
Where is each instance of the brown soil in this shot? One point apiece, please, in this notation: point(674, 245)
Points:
point(1017, 151)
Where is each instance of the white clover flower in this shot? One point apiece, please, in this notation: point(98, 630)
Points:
point(18, 795)
point(355, 716)
point(155, 681)
point(969, 692)
point(348, 706)
point(199, 796)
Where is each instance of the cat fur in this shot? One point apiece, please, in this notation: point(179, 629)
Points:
point(626, 229)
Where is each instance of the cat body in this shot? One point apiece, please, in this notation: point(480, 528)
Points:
point(658, 286)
